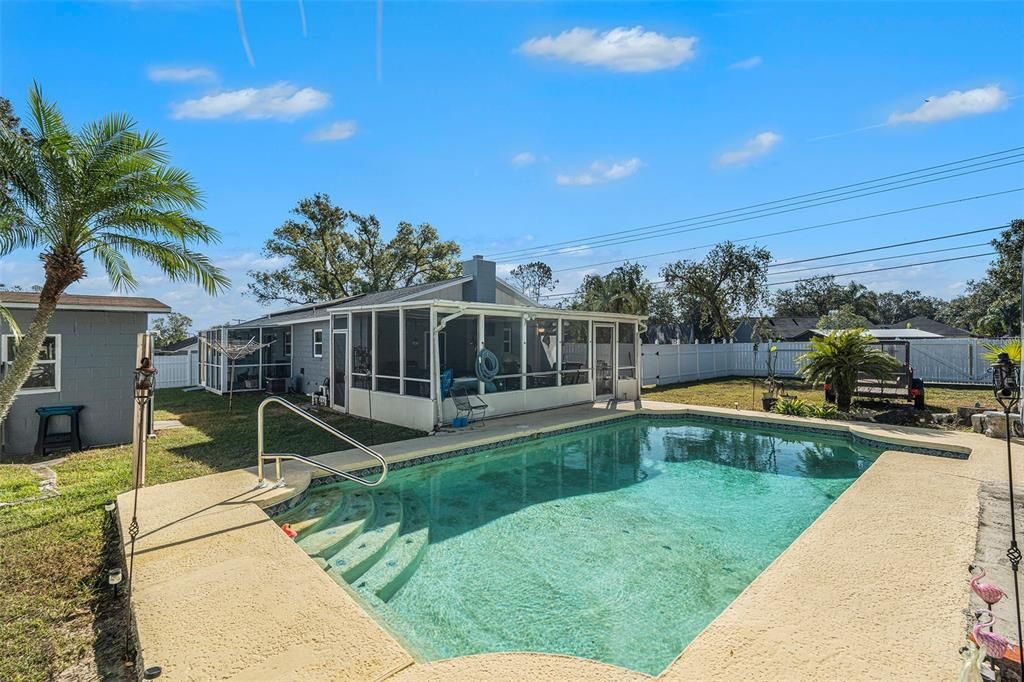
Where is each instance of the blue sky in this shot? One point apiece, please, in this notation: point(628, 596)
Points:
point(507, 125)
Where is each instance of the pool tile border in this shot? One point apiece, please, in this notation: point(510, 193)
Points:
point(852, 436)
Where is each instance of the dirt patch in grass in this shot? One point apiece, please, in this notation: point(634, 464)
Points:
point(58, 618)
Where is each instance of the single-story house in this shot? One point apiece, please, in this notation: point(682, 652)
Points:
point(384, 354)
point(805, 328)
point(179, 347)
point(778, 329)
point(932, 327)
point(87, 359)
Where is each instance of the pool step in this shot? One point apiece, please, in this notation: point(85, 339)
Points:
point(347, 522)
point(355, 557)
point(394, 568)
point(322, 504)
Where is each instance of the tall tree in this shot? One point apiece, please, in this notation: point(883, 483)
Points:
point(173, 328)
point(843, 317)
point(817, 296)
point(107, 192)
point(729, 283)
point(623, 290)
point(991, 306)
point(330, 253)
point(533, 278)
point(896, 306)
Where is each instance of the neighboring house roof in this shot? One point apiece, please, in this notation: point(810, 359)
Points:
point(929, 325)
point(180, 345)
point(788, 328)
point(136, 304)
point(887, 333)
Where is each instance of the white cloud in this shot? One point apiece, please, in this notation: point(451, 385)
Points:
point(180, 74)
point(954, 104)
point(758, 145)
point(620, 49)
point(282, 101)
point(523, 159)
point(600, 172)
point(748, 63)
point(339, 130)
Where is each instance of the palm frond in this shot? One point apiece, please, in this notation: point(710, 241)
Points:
point(116, 266)
point(176, 260)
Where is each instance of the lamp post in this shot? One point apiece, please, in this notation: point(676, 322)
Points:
point(144, 381)
point(1006, 387)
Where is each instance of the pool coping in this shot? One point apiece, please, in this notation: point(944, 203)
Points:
point(421, 451)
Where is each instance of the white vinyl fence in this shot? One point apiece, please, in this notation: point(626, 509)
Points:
point(177, 371)
point(947, 361)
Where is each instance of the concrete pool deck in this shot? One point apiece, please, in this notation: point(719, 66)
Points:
point(875, 587)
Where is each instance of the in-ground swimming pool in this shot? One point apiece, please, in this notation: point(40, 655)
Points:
point(618, 543)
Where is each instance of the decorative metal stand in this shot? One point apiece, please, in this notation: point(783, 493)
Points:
point(235, 352)
point(144, 380)
point(1006, 387)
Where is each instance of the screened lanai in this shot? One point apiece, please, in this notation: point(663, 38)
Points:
point(389, 360)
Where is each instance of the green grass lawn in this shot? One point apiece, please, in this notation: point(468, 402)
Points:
point(746, 394)
point(55, 609)
point(17, 482)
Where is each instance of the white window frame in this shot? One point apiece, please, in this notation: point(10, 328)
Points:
point(288, 343)
point(316, 333)
point(56, 362)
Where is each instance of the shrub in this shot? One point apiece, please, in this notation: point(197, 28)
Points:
point(794, 407)
point(837, 359)
point(823, 411)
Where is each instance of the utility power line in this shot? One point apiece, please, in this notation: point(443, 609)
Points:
point(660, 283)
point(777, 233)
point(875, 260)
point(788, 200)
point(893, 246)
point(891, 267)
point(696, 227)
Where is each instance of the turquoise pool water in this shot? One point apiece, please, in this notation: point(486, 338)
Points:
point(618, 543)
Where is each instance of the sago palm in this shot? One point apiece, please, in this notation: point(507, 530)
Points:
point(838, 358)
point(104, 193)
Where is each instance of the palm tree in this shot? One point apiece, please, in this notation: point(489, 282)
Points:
point(838, 358)
point(105, 192)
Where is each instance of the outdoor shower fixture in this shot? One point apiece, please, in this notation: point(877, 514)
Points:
point(1006, 387)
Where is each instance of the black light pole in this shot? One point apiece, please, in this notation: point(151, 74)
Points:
point(144, 379)
point(1007, 391)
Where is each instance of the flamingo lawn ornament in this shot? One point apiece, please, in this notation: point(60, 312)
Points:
point(995, 645)
point(990, 593)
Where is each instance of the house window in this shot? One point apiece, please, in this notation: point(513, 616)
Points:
point(45, 374)
point(288, 343)
point(318, 343)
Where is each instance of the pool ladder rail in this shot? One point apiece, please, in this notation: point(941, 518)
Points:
point(278, 456)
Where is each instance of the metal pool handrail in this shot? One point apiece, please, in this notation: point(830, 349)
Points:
point(278, 456)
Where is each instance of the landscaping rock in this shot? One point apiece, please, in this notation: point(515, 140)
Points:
point(966, 414)
point(978, 423)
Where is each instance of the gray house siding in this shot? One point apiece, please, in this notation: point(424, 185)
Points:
point(97, 358)
point(312, 370)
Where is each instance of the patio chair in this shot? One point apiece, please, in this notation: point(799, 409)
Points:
point(468, 404)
